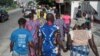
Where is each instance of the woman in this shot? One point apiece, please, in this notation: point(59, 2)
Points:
point(67, 20)
point(79, 41)
point(33, 25)
point(60, 23)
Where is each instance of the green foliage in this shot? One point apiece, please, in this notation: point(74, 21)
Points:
point(6, 2)
point(30, 2)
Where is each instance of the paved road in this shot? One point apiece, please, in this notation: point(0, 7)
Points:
point(7, 27)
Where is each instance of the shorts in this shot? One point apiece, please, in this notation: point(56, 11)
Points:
point(14, 53)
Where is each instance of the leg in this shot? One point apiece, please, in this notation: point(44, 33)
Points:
point(32, 52)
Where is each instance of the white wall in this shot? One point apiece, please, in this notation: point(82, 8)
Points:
point(96, 6)
point(74, 6)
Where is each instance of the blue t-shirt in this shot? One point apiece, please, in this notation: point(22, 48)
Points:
point(21, 38)
point(47, 33)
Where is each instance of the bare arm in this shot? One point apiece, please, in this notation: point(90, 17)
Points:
point(69, 41)
point(93, 46)
point(11, 46)
point(57, 38)
point(58, 41)
point(40, 42)
point(31, 44)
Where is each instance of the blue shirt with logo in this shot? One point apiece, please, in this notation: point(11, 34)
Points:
point(21, 38)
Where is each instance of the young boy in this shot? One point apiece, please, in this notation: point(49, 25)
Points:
point(21, 39)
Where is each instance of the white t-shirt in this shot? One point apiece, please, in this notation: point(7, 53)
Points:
point(80, 37)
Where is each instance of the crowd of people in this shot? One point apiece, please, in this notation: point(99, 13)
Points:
point(43, 34)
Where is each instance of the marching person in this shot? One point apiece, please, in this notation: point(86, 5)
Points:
point(42, 19)
point(21, 40)
point(79, 41)
point(33, 25)
point(49, 37)
point(67, 19)
point(60, 23)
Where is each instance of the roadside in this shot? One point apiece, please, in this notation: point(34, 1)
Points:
point(4, 43)
point(14, 10)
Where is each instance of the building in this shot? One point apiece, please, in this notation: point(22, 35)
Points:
point(92, 7)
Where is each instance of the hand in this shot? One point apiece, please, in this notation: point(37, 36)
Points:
point(65, 49)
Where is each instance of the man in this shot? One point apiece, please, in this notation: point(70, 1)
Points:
point(80, 41)
point(21, 39)
point(49, 37)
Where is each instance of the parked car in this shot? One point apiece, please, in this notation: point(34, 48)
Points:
point(3, 15)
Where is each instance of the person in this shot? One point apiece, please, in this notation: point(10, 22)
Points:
point(67, 20)
point(60, 23)
point(49, 37)
point(88, 21)
point(82, 19)
point(38, 11)
point(79, 12)
point(80, 40)
point(33, 25)
point(42, 19)
point(21, 40)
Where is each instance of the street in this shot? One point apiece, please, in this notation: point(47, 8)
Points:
point(7, 27)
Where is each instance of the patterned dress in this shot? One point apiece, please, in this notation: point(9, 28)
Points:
point(32, 26)
point(60, 23)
